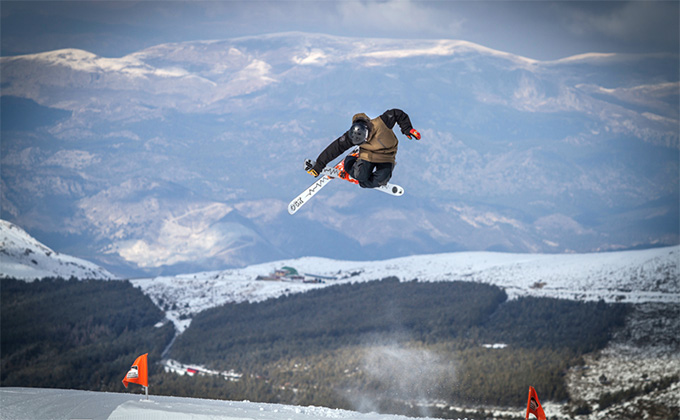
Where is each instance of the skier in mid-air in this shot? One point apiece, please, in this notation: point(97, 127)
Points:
point(377, 148)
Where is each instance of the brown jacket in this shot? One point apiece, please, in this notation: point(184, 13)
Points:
point(382, 144)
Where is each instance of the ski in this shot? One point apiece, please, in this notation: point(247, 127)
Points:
point(301, 199)
point(327, 175)
point(391, 189)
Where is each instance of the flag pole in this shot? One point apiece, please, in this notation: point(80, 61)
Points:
point(146, 389)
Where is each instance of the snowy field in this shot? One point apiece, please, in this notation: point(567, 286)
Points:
point(58, 404)
point(631, 276)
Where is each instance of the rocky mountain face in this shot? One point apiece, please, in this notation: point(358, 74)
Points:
point(183, 157)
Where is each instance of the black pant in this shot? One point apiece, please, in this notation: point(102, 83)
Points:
point(369, 174)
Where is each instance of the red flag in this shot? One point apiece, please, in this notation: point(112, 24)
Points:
point(534, 406)
point(138, 373)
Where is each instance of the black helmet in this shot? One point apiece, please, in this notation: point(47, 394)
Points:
point(358, 133)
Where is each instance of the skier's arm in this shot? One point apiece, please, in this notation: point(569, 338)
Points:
point(397, 116)
point(335, 149)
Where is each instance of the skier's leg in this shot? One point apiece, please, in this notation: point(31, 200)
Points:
point(362, 172)
point(372, 175)
point(382, 174)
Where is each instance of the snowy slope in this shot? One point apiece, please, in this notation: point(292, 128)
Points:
point(23, 257)
point(35, 403)
point(631, 276)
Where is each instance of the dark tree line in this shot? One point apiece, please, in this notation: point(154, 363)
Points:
point(337, 316)
point(345, 315)
point(75, 334)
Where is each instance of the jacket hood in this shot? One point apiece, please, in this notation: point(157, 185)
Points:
point(360, 117)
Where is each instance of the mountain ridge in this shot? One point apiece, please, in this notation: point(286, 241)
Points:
point(519, 156)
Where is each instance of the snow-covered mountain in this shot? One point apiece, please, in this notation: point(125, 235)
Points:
point(183, 157)
point(630, 276)
point(23, 257)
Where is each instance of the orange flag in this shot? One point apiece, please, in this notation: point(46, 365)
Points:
point(534, 406)
point(138, 373)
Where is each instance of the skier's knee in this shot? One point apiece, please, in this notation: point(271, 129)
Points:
point(349, 163)
point(360, 171)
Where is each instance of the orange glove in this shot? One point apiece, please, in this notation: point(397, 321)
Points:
point(413, 133)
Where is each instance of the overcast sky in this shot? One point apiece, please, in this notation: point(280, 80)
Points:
point(541, 30)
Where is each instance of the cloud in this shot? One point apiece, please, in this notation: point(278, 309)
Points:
point(636, 22)
point(540, 30)
point(397, 16)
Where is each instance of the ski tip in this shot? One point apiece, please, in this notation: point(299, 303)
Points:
point(396, 190)
point(294, 206)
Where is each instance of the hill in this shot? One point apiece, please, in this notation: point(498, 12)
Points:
point(645, 279)
point(630, 276)
point(373, 329)
point(23, 257)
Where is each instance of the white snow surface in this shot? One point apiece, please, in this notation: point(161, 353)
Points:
point(629, 276)
point(23, 257)
point(57, 404)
